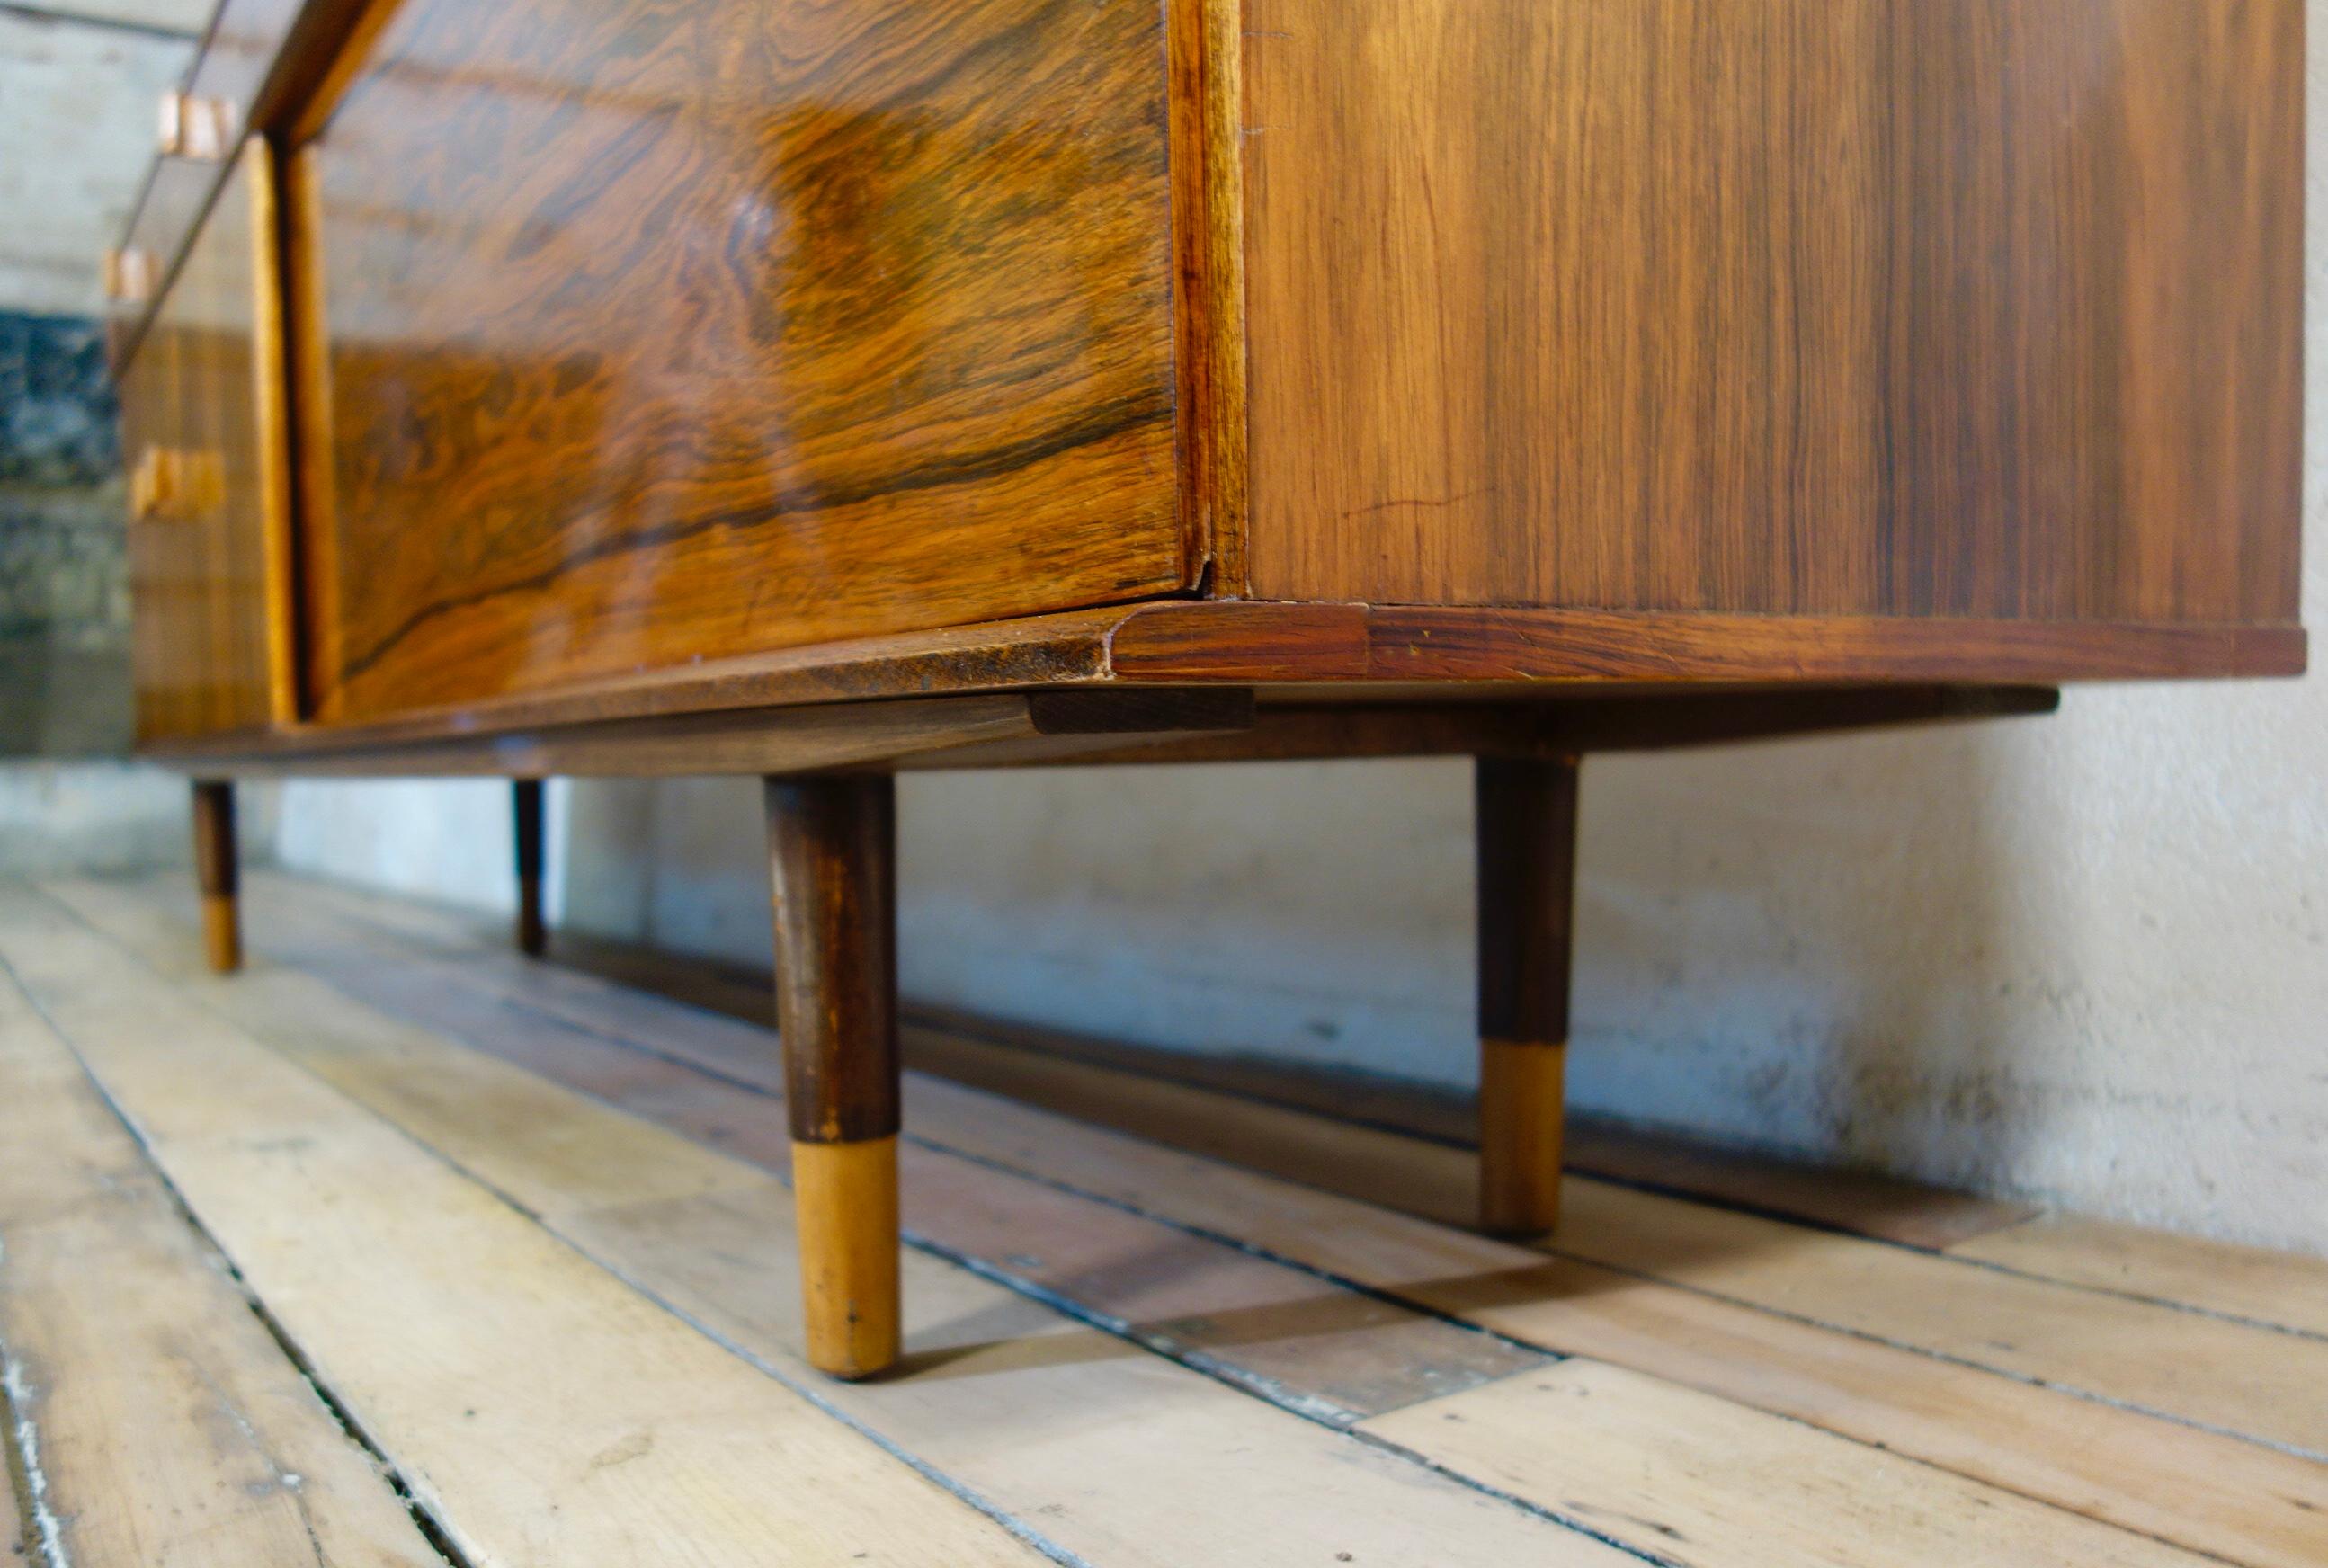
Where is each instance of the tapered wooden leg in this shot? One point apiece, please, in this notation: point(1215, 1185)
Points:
point(1526, 838)
point(832, 845)
point(525, 814)
point(215, 872)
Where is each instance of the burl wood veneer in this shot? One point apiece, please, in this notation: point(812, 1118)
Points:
point(730, 325)
point(824, 389)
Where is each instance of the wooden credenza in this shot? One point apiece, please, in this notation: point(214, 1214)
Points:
point(814, 389)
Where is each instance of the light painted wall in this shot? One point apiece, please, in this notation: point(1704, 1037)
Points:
point(60, 817)
point(79, 87)
point(2082, 959)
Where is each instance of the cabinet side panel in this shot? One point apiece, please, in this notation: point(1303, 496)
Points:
point(1928, 307)
point(657, 330)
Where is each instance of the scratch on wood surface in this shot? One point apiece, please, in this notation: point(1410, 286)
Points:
point(46, 1525)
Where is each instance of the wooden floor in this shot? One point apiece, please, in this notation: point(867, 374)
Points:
point(397, 1249)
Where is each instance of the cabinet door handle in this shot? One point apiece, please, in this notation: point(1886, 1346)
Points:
point(128, 276)
point(148, 484)
point(201, 128)
point(172, 483)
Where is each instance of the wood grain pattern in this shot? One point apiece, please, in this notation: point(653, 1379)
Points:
point(997, 1391)
point(1342, 652)
point(2196, 1489)
point(1471, 646)
point(210, 566)
point(1207, 87)
point(2260, 1286)
point(558, 1417)
point(171, 1427)
point(2209, 1492)
point(1965, 308)
point(659, 333)
point(1665, 1466)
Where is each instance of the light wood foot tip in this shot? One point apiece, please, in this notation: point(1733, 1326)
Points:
point(847, 1197)
point(222, 933)
point(1522, 1104)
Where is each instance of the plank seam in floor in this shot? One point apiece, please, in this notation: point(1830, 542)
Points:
point(432, 1528)
point(969, 1496)
point(1211, 1367)
point(1164, 1348)
point(2147, 1300)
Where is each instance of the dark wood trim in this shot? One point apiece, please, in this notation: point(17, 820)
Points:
point(1115, 726)
point(1205, 89)
point(1263, 642)
point(525, 836)
point(218, 873)
point(1525, 834)
point(832, 850)
point(1525, 830)
point(1048, 652)
point(975, 731)
point(1559, 724)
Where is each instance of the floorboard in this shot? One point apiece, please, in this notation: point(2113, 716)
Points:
point(1045, 1415)
point(1105, 1327)
point(2223, 1375)
point(540, 1409)
point(156, 1416)
point(2278, 1289)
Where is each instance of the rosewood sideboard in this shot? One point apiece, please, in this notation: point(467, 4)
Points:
point(818, 389)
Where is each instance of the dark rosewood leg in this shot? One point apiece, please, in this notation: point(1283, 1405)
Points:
point(1526, 835)
point(832, 844)
point(214, 870)
point(525, 809)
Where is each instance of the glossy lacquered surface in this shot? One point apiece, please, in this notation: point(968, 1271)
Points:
point(634, 333)
point(1929, 308)
point(202, 435)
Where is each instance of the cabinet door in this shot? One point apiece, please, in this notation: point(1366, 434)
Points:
point(632, 334)
point(203, 426)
